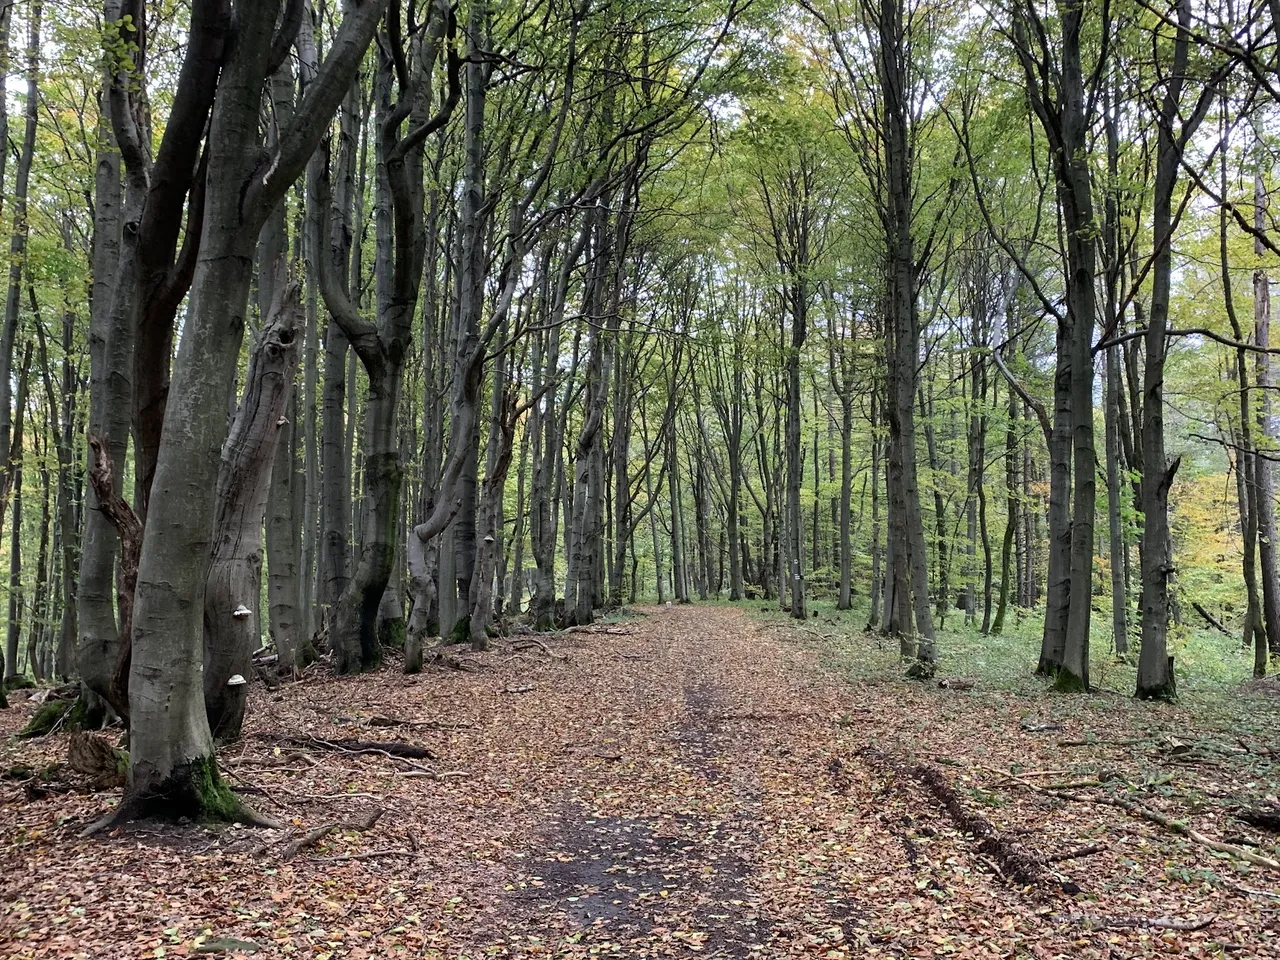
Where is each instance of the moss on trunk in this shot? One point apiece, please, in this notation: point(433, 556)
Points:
point(1064, 681)
point(391, 633)
point(57, 715)
point(194, 790)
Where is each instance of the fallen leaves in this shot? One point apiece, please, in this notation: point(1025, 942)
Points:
point(685, 784)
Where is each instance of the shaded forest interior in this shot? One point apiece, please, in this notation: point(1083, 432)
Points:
point(352, 344)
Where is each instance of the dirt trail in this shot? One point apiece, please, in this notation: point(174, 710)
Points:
point(681, 784)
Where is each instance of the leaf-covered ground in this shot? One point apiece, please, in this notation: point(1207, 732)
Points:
point(686, 783)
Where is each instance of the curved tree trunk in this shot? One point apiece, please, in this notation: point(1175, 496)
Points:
point(231, 600)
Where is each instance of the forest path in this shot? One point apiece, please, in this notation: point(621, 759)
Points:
point(689, 782)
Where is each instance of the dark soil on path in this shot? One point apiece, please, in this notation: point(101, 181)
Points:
point(685, 783)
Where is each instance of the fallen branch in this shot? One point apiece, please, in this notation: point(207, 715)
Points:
point(316, 834)
point(595, 629)
point(368, 855)
point(1141, 923)
point(525, 643)
point(1102, 743)
point(1210, 619)
point(389, 748)
point(1075, 854)
point(1014, 863)
point(437, 775)
point(1176, 826)
point(1265, 817)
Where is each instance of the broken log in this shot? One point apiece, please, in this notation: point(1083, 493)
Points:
point(1013, 861)
point(1210, 619)
point(393, 748)
point(1264, 817)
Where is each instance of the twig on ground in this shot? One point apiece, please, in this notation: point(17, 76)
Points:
point(316, 834)
point(368, 855)
point(1139, 923)
point(1075, 854)
point(524, 643)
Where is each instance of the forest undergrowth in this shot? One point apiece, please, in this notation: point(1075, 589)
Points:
point(702, 780)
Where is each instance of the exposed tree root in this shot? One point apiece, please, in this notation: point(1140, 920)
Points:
point(194, 791)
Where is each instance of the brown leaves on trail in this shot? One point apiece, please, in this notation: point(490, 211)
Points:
point(683, 784)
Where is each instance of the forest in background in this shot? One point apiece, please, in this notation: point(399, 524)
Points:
point(351, 326)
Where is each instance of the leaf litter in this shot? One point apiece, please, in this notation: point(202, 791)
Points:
point(688, 784)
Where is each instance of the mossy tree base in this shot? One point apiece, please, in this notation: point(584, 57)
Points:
point(1166, 692)
point(922, 670)
point(192, 791)
point(392, 633)
point(1064, 681)
point(54, 716)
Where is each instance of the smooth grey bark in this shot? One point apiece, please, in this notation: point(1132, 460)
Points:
point(506, 413)
point(877, 578)
point(727, 369)
point(1055, 84)
point(63, 403)
point(98, 640)
point(1115, 520)
point(13, 633)
point(309, 596)
point(1175, 127)
point(283, 533)
point(1254, 633)
point(841, 374)
point(382, 346)
point(18, 237)
point(515, 597)
point(231, 600)
point(470, 290)
point(41, 606)
point(1268, 556)
point(172, 770)
point(140, 277)
point(329, 239)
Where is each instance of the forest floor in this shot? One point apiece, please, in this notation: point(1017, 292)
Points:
point(687, 782)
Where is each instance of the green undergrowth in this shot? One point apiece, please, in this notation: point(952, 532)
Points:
point(1212, 671)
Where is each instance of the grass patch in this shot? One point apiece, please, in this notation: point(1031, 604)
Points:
point(1209, 667)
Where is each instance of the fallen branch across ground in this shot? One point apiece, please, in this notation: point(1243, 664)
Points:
point(1264, 817)
point(390, 748)
point(316, 834)
point(1077, 853)
point(1015, 863)
point(524, 643)
point(1139, 923)
point(1177, 826)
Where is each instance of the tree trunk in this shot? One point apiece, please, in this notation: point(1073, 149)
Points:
point(1266, 489)
point(172, 770)
point(18, 238)
point(231, 601)
point(14, 632)
point(1119, 597)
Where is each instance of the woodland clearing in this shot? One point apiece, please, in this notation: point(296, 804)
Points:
point(687, 782)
